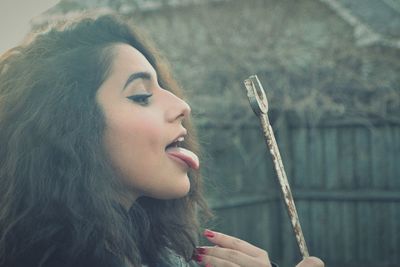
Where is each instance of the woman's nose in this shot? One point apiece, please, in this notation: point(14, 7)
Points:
point(178, 109)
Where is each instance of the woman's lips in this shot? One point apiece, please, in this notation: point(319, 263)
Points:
point(185, 155)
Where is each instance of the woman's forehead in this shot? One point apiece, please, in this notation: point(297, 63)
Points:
point(128, 59)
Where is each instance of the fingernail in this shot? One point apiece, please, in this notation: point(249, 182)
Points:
point(208, 265)
point(209, 233)
point(198, 258)
point(200, 250)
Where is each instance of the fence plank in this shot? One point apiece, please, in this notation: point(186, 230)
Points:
point(396, 232)
point(317, 236)
point(349, 233)
point(383, 209)
point(391, 228)
point(372, 231)
point(362, 163)
point(235, 159)
point(335, 236)
point(331, 157)
point(252, 163)
point(396, 147)
point(213, 170)
point(379, 165)
point(364, 233)
point(390, 156)
point(299, 141)
point(383, 229)
point(316, 162)
point(258, 230)
point(274, 242)
point(346, 157)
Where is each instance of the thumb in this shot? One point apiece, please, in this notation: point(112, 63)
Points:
point(311, 262)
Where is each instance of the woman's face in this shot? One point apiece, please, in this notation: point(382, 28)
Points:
point(142, 120)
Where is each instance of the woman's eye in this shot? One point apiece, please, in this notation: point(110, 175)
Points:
point(141, 99)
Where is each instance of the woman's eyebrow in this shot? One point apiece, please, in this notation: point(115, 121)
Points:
point(137, 75)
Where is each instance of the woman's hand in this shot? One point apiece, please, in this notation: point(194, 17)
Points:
point(231, 251)
point(311, 262)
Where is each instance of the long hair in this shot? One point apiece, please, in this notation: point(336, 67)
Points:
point(57, 186)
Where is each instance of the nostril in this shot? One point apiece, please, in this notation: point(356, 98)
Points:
point(185, 113)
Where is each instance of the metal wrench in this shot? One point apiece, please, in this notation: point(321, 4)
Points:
point(259, 104)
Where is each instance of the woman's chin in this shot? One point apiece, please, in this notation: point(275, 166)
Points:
point(178, 189)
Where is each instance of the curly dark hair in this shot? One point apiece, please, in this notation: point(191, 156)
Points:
point(57, 188)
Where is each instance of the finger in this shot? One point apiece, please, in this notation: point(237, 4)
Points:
point(234, 256)
point(211, 261)
point(234, 243)
point(311, 262)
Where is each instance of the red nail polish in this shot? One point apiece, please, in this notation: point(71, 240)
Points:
point(209, 233)
point(198, 258)
point(200, 250)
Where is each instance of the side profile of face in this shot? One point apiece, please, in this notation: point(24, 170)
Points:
point(142, 120)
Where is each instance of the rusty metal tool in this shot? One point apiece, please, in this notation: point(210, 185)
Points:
point(259, 104)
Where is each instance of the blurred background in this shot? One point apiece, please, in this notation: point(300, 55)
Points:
point(331, 70)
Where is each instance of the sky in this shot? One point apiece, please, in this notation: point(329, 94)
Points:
point(14, 19)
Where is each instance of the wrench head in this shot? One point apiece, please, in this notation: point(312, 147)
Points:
point(256, 94)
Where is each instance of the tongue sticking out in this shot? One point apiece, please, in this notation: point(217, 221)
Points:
point(187, 156)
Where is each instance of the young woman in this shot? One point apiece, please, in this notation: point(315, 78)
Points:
point(98, 163)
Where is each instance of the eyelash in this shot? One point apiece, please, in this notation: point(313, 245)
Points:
point(141, 99)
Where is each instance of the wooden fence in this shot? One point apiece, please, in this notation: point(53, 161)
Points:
point(345, 178)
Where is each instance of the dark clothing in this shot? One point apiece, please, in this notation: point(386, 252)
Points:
point(104, 260)
point(101, 258)
point(42, 256)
